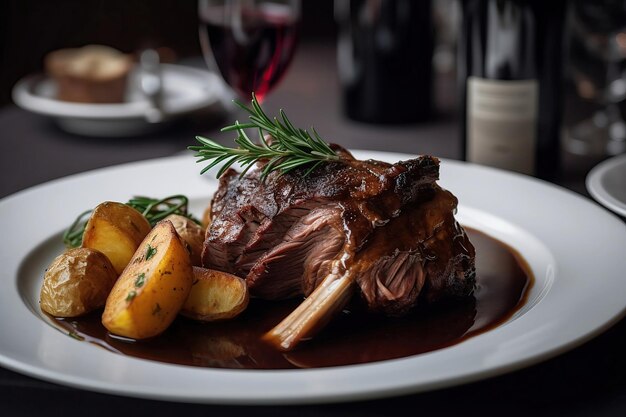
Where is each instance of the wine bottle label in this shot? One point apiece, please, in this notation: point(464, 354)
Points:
point(502, 123)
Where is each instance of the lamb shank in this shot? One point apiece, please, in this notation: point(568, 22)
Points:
point(384, 231)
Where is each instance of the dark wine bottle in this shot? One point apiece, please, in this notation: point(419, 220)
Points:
point(384, 55)
point(510, 70)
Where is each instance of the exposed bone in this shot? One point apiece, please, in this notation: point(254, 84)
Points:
point(316, 310)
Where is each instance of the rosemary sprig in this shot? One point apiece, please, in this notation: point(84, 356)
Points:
point(289, 148)
point(153, 209)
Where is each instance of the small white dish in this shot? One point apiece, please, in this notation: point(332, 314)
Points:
point(185, 90)
point(606, 183)
point(555, 230)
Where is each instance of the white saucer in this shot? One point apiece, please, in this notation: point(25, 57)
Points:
point(185, 90)
point(606, 182)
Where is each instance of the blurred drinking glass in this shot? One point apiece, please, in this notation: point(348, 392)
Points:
point(251, 41)
point(598, 58)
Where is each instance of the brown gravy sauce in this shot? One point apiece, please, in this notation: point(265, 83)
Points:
point(503, 283)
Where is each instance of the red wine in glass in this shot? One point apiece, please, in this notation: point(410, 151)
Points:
point(252, 43)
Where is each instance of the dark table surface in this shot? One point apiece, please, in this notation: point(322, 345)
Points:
point(589, 380)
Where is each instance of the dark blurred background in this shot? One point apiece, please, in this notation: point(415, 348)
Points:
point(32, 28)
point(29, 29)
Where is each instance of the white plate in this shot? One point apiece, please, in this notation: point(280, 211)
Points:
point(606, 182)
point(575, 249)
point(185, 90)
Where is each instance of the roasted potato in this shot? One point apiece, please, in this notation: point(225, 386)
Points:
point(116, 230)
point(152, 289)
point(215, 296)
point(191, 233)
point(77, 282)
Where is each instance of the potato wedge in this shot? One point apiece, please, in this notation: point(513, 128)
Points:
point(152, 289)
point(191, 233)
point(215, 296)
point(77, 282)
point(116, 230)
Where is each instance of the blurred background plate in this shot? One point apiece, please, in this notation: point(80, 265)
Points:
point(607, 184)
point(185, 90)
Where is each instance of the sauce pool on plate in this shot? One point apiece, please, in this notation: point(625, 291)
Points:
point(503, 280)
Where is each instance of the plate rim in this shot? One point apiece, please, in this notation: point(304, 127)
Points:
point(596, 188)
point(327, 397)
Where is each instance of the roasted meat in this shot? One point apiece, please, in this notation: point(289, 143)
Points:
point(387, 230)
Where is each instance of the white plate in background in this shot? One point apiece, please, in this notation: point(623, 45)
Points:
point(606, 182)
point(558, 233)
point(185, 90)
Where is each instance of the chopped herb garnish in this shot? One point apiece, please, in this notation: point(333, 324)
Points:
point(131, 295)
point(75, 335)
point(156, 309)
point(150, 252)
point(140, 280)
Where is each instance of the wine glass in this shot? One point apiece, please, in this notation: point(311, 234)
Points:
point(250, 41)
point(598, 58)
